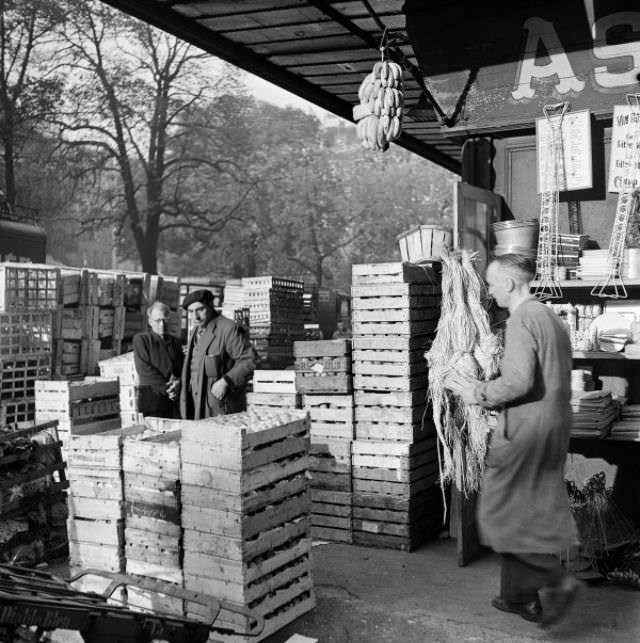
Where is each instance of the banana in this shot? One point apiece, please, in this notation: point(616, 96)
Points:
point(364, 87)
point(376, 69)
point(396, 71)
point(386, 125)
point(384, 72)
point(399, 111)
point(361, 128)
point(372, 128)
point(395, 128)
point(388, 102)
point(380, 136)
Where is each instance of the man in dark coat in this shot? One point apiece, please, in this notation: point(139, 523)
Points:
point(219, 361)
point(158, 360)
point(523, 508)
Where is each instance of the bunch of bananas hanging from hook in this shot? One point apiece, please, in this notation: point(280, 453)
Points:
point(379, 114)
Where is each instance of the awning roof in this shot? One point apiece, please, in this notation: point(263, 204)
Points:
point(318, 50)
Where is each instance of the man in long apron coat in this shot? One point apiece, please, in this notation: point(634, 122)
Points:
point(523, 508)
point(218, 364)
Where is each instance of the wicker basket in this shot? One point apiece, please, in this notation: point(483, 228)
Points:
point(424, 243)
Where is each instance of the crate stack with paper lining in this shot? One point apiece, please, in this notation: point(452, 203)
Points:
point(323, 376)
point(395, 311)
point(245, 508)
point(122, 368)
point(89, 321)
point(28, 299)
point(33, 505)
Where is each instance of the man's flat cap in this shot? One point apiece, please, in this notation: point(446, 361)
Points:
point(205, 296)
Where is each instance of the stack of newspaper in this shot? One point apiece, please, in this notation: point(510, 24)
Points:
point(593, 413)
point(628, 426)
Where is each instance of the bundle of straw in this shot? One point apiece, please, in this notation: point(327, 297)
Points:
point(464, 345)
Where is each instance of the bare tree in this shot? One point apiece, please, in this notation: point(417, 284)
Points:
point(133, 99)
point(29, 85)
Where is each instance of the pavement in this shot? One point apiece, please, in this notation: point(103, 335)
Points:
point(367, 595)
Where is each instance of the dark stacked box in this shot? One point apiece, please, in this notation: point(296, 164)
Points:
point(395, 311)
point(28, 298)
point(90, 320)
point(276, 317)
point(323, 374)
point(33, 506)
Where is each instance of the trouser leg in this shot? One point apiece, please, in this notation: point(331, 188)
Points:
point(522, 575)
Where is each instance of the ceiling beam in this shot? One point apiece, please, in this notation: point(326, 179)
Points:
point(169, 20)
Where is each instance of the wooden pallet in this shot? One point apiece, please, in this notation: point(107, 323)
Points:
point(274, 381)
point(274, 400)
point(25, 332)
point(331, 416)
point(28, 286)
point(393, 272)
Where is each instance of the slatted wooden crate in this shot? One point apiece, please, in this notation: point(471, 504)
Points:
point(389, 296)
point(398, 469)
point(323, 366)
point(122, 367)
point(245, 515)
point(400, 523)
point(18, 375)
point(16, 412)
point(392, 415)
point(26, 332)
point(274, 400)
point(28, 286)
point(274, 381)
point(153, 532)
point(81, 407)
point(393, 272)
point(96, 499)
point(331, 514)
point(330, 464)
point(331, 416)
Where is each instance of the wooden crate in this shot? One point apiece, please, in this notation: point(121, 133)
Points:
point(403, 328)
point(26, 332)
point(330, 465)
point(400, 469)
point(399, 523)
point(331, 513)
point(323, 366)
point(331, 416)
point(121, 367)
point(245, 514)
point(392, 272)
point(274, 400)
point(389, 295)
point(380, 382)
point(274, 381)
point(405, 344)
point(18, 375)
point(28, 286)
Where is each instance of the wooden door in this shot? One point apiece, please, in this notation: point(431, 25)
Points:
point(475, 209)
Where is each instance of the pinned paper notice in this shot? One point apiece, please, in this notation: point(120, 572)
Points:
point(318, 368)
point(298, 638)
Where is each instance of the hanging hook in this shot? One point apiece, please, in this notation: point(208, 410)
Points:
point(383, 43)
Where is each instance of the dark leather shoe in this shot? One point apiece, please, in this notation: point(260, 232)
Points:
point(529, 611)
point(557, 599)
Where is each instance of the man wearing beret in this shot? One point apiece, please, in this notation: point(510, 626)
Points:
point(218, 364)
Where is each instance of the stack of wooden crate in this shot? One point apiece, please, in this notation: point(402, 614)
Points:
point(274, 389)
point(89, 321)
point(96, 504)
point(245, 516)
point(28, 298)
point(84, 406)
point(323, 375)
point(122, 368)
point(153, 524)
point(33, 506)
point(395, 310)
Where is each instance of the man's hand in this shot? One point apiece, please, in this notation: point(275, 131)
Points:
point(173, 387)
point(462, 387)
point(219, 388)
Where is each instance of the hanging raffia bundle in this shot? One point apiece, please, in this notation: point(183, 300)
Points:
point(464, 346)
